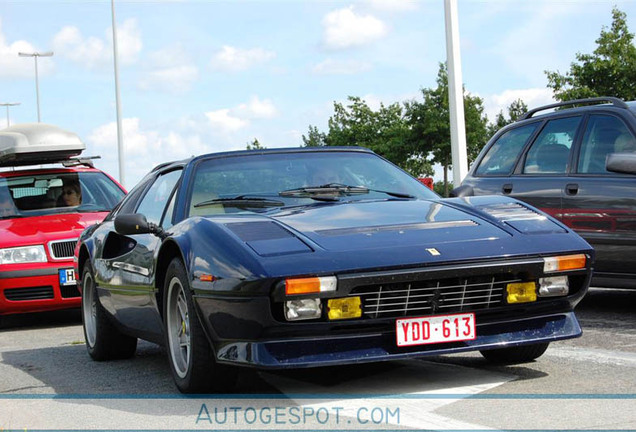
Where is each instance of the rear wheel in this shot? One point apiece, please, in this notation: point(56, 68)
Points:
point(192, 361)
point(514, 355)
point(103, 340)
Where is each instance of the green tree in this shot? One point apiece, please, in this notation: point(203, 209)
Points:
point(609, 71)
point(255, 145)
point(429, 125)
point(314, 138)
point(515, 110)
point(384, 131)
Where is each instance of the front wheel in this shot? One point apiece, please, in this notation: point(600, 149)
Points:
point(192, 361)
point(103, 340)
point(515, 355)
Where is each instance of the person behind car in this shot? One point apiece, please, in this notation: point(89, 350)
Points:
point(7, 206)
point(71, 194)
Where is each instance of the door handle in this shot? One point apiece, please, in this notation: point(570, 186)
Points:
point(571, 188)
point(507, 188)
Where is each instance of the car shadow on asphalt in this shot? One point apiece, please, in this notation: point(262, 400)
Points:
point(37, 320)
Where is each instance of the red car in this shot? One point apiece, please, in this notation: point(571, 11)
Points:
point(43, 211)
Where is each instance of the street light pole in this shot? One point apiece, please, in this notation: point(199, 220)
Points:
point(35, 55)
point(456, 94)
point(120, 139)
point(8, 104)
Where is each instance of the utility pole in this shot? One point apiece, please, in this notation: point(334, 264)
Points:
point(120, 139)
point(9, 104)
point(35, 55)
point(456, 94)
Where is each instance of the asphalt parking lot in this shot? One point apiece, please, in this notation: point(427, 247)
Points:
point(48, 382)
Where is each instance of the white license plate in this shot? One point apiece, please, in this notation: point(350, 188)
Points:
point(67, 277)
point(435, 329)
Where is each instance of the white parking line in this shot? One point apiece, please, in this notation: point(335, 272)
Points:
point(619, 358)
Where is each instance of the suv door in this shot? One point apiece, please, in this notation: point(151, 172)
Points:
point(535, 173)
point(601, 205)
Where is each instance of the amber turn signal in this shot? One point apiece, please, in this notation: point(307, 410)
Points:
point(310, 285)
point(562, 263)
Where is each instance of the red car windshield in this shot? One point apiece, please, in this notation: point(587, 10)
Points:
point(51, 193)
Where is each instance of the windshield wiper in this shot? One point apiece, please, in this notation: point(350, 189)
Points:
point(242, 201)
point(330, 191)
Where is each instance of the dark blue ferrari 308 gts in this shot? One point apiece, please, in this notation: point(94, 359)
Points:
point(291, 258)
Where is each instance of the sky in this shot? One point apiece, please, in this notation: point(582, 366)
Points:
point(200, 76)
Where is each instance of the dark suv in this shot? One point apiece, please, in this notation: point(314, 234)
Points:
point(558, 162)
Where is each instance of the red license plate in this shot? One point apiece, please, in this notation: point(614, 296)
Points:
point(435, 329)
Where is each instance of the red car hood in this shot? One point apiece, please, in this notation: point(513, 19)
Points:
point(42, 229)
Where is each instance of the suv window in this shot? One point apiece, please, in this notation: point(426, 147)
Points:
point(502, 155)
point(550, 152)
point(604, 135)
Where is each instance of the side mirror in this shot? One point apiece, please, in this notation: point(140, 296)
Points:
point(621, 163)
point(129, 224)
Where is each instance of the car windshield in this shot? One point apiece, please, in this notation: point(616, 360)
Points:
point(262, 182)
point(51, 193)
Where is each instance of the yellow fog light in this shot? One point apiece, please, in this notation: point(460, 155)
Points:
point(523, 292)
point(344, 308)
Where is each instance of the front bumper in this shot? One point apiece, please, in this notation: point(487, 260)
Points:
point(362, 348)
point(36, 289)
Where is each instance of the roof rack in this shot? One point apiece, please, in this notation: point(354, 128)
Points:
point(37, 143)
point(589, 101)
point(86, 161)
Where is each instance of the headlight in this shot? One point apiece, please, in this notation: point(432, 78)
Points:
point(27, 254)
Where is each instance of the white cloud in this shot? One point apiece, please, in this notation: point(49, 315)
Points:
point(230, 120)
point(93, 52)
point(232, 59)
point(171, 70)
point(129, 43)
point(175, 80)
point(256, 108)
point(223, 122)
point(394, 5)
point(143, 149)
point(13, 66)
point(343, 28)
point(533, 97)
point(341, 67)
point(71, 44)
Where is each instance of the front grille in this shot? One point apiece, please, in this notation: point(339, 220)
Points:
point(63, 249)
point(69, 291)
point(433, 296)
point(34, 293)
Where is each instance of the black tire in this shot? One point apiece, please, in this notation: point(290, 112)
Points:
point(103, 340)
point(191, 358)
point(515, 355)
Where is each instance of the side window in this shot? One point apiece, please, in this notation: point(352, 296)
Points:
point(127, 205)
point(502, 155)
point(153, 204)
point(550, 152)
point(167, 217)
point(604, 134)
